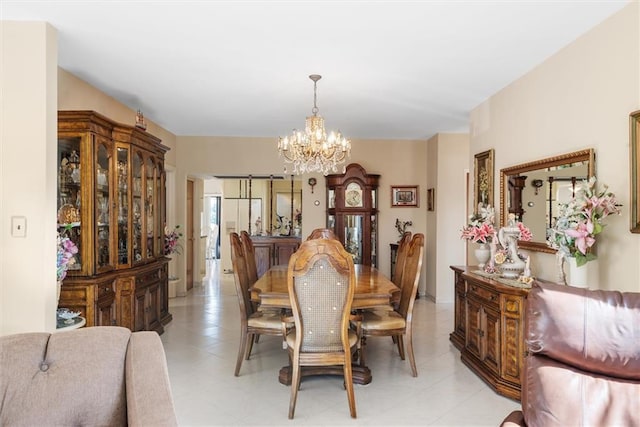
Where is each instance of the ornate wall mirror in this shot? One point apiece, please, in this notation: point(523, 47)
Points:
point(532, 191)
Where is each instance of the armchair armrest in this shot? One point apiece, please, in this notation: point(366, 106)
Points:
point(149, 399)
point(288, 322)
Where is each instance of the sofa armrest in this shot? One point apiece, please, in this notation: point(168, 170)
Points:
point(514, 419)
point(149, 399)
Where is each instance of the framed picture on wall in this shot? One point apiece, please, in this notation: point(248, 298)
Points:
point(404, 196)
point(431, 192)
point(634, 144)
point(483, 180)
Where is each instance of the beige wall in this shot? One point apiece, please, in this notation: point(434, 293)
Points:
point(448, 155)
point(579, 98)
point(76, 94)
point(28, 141)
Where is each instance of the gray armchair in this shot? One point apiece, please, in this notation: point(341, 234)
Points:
point(92, 376)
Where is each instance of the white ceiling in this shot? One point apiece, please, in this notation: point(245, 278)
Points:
point(391, 69)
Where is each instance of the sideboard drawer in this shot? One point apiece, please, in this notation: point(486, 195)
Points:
point(487, 295)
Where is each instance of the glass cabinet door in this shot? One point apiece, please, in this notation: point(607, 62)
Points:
point(159, 215)
point(123, 246)
point(103, 205)
point(69, 196)
point(353, 232)
point(150, 202)
point(138, 206)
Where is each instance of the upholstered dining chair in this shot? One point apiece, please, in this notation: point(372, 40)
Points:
point(253, 322)
point(321, 284)
point(250, 256)
point(322, 233)
point(398, 322)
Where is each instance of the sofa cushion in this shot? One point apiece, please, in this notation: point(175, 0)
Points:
point(52, 381)
point(596, 331)
point(555, 394)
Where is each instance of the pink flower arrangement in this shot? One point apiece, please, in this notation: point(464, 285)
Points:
point(482, 233)
point(580, 221)
point(525, 233)
point(172, 241)
point(66, 256)
point(480, 228)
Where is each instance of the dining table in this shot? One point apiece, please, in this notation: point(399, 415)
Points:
point(373, 290)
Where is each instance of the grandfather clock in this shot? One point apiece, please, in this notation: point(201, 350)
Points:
point(352, 212)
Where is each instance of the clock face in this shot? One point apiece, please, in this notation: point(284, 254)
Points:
point(354, 198)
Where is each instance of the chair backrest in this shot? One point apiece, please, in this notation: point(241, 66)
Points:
point(250, 256)
point(401, 256)
point(321, 282)
point(322, 233)
point(240, 275)
point(411, 275)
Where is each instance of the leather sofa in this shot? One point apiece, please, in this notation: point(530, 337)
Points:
point(583, 358)
point(91, 376)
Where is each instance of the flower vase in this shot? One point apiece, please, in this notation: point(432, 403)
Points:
point(483, 254)
point(578, 276)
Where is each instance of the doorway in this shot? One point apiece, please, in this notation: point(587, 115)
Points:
point(211, 223)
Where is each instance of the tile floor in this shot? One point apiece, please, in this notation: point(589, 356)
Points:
point(201, 345)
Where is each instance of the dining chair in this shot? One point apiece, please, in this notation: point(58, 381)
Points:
point(322, 233)
point(250, 256)
point(401, 256)
point(398, 322)
point(321, 284)
point(253, 323)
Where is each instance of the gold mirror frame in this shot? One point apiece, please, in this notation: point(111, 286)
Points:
point(634, 146)
point(587, 155)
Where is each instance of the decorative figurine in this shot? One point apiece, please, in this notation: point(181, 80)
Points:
point(140, 121)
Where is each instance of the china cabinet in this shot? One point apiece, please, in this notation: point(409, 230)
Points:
point(352, 213)
point(111, 203)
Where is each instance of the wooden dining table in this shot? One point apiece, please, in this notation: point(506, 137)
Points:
point(373, 290)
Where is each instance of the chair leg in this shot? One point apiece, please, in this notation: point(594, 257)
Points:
point(348, 380)
point(250, 340)
point(295, 385)
point(363, 346)
point(400, 346)
point(412, 359)
point(241, 351)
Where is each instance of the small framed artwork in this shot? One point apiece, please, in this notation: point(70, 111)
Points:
point(634, 146)
point(483, 180)
point(431, 195)
point(404, 196)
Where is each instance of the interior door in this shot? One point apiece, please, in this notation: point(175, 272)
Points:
point(190, 238)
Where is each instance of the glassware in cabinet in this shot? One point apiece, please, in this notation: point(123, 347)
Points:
point(70, 194)
point(103, 253)
point(137, 206)
point(150, 202)
point(123, 245)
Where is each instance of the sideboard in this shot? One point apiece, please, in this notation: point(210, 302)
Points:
point(273, 250)
point(489, 328)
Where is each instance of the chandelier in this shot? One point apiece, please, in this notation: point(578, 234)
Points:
point(312, 150)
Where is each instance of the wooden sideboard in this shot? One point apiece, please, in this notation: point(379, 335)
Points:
point(489, 329)
point(273, 250)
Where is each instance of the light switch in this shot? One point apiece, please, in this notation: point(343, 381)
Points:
point(19, 226)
